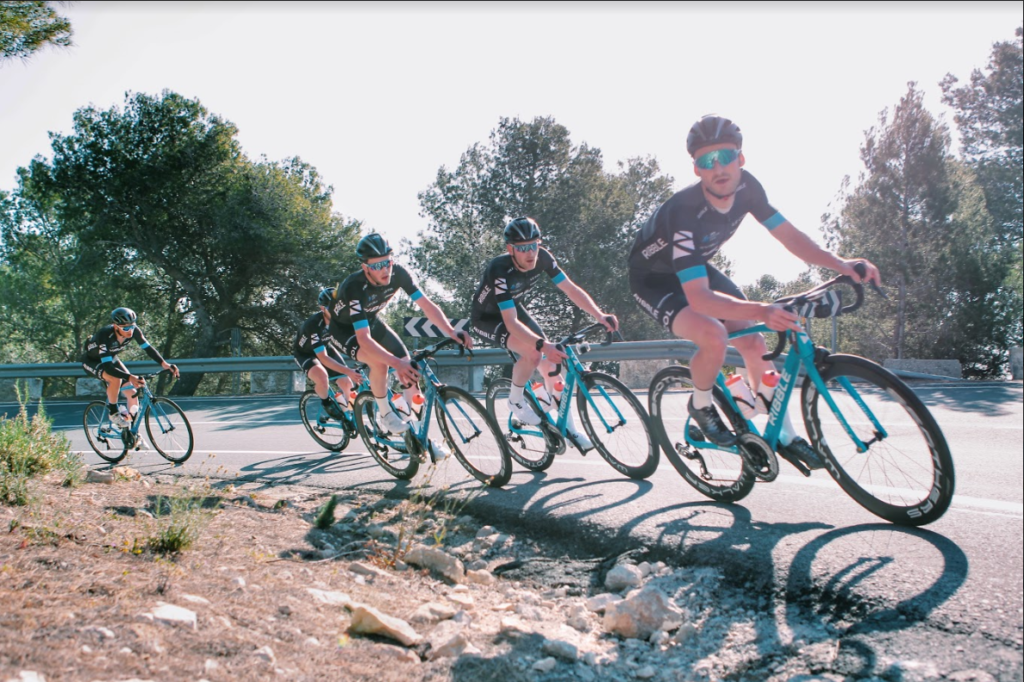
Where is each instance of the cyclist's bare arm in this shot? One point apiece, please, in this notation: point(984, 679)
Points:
point(373, 352)
point(330, 363)
point(583, 300)
point(807, 250)
point(520, 332)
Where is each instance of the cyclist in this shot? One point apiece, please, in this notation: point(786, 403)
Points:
point(317, 353)
point(368, 339)
point(499, 316)
point(100, 360)
point(672, 280)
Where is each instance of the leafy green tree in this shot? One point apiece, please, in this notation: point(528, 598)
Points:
point(26, 27)
point(588, 218)
point(162, 190)
point(918, 214)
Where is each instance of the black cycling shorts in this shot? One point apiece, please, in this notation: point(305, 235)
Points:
point(379, 332)
point(307, 361)
point(661, 295)
point(96, 367)
point(493, 327)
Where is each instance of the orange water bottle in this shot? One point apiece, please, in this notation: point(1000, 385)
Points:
point(765, 392)
point(742, 394)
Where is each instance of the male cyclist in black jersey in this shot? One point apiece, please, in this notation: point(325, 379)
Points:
point(671, 277)
point(499, 316)
point(319, 356)
point(99, 359)
point(358, 299)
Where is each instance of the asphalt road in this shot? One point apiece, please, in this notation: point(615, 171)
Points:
point(909, 602)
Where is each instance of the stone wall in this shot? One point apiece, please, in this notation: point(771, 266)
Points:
point(277, 382)
point(942, 368)
point(9, 394)
point(637, 374)
point(88, 387)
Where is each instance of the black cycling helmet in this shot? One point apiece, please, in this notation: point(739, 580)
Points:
point(326, 297)
point(372, 246)
point(522, 230)
point(123, 316)
point(711, 130)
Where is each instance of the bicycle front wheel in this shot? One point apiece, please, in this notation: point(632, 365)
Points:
point(715, 473)
point(327, 432)
point(104, 437)
point(617, 424)
point(474, 437)
point(532, 447)
point(905, 474)
point(401, 465)
point(169, 430)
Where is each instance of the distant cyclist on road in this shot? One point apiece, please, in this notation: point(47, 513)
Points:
point(100, 360)
point(318, 354)
point(499, 316)
point(672, 279)
point(365, 337)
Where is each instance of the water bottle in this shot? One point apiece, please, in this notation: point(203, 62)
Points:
point(769, 380)
point(742, 394)
point(546, 403)
point(401, 406)
point(417, 402)
point(559, 387)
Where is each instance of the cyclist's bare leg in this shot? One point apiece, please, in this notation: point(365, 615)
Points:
point(753, 349)
point(345, 387)
point(318, 375)
point(711, 339)
point(529, 359)
point(114, 385)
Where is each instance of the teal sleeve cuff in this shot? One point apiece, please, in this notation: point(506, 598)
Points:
point(774, 221)
point(689, 274)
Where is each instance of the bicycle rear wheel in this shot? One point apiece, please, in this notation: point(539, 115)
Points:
point(532, 447)
point(474, 437)
point(169, 430)
point(715, 473)
point(617, 424)
point(328, 432)
point(906, 475)
point(104, 437)
point(401, 465)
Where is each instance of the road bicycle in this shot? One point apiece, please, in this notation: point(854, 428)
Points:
point(468, 430)
point(878, 440)
point(329, 431)
point(166, 424)
point(611, 415)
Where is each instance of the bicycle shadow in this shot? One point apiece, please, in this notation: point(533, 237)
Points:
point(295, 469)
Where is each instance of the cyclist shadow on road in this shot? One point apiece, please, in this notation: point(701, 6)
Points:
point(296, 469)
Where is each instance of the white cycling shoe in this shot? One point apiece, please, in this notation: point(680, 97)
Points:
point(438, 451)
point(581, 439)
point(393, 423)
point(119, 421)
point(524, 413)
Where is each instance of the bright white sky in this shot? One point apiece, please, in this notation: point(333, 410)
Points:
point(378, 96)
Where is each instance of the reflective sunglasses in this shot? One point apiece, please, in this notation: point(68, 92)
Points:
point(526, 248)
point(723, 156)
point(380, 265)
point(126, 327)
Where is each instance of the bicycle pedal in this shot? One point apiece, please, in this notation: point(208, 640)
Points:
point(694, 433)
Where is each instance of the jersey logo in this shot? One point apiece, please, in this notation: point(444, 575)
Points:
point(500, 286)
point(356, 307)
point(682, 244)
point(654, 248)
point(483, 294)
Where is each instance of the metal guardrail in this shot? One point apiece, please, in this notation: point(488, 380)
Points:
point(667, 349)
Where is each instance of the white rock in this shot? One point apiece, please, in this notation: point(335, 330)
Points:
point(436, 560)
point(211, 665)
point(623, 576)
point(599, 602)
point(638, 616)
point(686, 632)
point(645, 673)
point(481, 577)
point(331, 598)
point(578, 618)
point(368, 620)
point(104, 633)
point(97, 477)
point(559, 649)
point(265, 653)
point(170, 614)
point(311, 642)
point(194, 599)
point(239, 582)
point(545, 665)
point(486, 531)
point(447, 640)
point(396, 653)
point(28, 676)
point(464, 600)
point(432, 612)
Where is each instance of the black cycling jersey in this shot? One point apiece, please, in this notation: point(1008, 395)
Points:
point(695, 230)
point(102, 348)
point(314, 336)
point(502, 285)
point(357, 302)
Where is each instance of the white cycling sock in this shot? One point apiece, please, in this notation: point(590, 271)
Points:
point(383, 406)
point(788, 432)
point(515, 394)
point(701, 398)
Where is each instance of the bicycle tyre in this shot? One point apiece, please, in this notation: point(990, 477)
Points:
point(632, 450)
point(334, 437)
point(404, 466)
point(484, 455)
point(907, 477)
point(175, 443)
point(536, 453)
point(95, 418)
point(668, 398)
